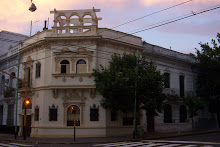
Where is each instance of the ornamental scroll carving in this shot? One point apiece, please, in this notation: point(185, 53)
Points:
point(55, 93)
point(57, 60)
point(72, 95)
point(92, 93)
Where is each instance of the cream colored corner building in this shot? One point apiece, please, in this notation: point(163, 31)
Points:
point(57, 66)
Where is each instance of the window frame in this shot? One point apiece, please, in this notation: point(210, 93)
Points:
point(168, 114)
point(94, 113)
point(38, 70)
point(166, 80)
point(81, 64)
point(53, 113)
point(36, 113)
point(65, 64)
point(182, 85)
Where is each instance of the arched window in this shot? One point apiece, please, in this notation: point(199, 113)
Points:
point(183, 113)
point(38, 70)
point(167, 114)
point(64, 66)
point(81, 66)
point(73, 114)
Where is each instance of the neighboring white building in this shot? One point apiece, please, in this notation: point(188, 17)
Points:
point(180, 81)
point(57, 66)
point(8, 62)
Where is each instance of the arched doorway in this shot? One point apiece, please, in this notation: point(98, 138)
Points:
point(70, 115)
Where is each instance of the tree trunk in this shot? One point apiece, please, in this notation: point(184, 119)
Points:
point(193, 123)
point(150, 123)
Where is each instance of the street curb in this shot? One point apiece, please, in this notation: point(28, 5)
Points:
point(146, 138)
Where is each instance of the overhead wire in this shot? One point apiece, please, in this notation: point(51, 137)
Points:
point(180, 18)
point(128, 21)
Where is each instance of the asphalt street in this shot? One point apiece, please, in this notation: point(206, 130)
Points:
point(203, 140)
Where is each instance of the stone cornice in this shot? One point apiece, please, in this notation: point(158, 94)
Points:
point(64, 87)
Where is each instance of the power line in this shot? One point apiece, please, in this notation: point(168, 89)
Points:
point(179, 18)
point(128, 21)
point(195, 13)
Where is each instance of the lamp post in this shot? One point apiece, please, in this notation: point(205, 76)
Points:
point(135, 101)
point(73, 110)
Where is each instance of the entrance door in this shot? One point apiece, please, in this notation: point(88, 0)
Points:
point(28, 125)
point(150, 124)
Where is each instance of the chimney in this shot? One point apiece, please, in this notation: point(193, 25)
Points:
point(45, 25)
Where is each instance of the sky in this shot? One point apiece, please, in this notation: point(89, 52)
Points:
point(182, 36)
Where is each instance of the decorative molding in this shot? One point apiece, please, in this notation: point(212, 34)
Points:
point(37, 95)
point(55, 93)
point(80, 79)
point(64, 79)
point(92, 93)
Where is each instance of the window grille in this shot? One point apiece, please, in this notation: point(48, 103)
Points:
point(53, 113)
point(94, 113)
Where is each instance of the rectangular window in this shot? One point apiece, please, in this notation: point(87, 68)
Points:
point(36, 114)
point(94, 114)
point(129, 121)
point(181, 82)
point(53, 113)
point(81, 68)
point(166, 80)
point(113, 116)
point(63, 68)
point(38, 69)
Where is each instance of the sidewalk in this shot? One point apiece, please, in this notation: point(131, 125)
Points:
point(87, 140)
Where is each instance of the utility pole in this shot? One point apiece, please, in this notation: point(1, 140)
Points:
point(135, 100)
point(16, 98)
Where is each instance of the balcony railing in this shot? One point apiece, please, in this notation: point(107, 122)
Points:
point(9, 92)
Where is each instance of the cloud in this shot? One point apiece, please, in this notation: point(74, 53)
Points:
point(173, 2)
point(208, 28)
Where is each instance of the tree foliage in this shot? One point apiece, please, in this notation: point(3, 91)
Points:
point(208, 68)
point(116, 84)
point(194, 104)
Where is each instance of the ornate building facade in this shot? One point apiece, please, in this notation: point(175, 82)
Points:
point(57, 66)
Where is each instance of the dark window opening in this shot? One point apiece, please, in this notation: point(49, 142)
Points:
point(63, 68)
point(181, 81)
point(183, 114)
point(38, 70)
point(167, 114)
point(53, 113)
point(113, 115)
point(129, 121)
point(36, 113)
point(94, 113)
point(166, 80)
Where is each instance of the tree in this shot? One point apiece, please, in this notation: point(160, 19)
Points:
point(116, 84)
point(194, 104)
point(208, 68)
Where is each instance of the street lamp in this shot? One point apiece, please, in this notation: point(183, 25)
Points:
point(73, 110)
point(27, 103)
point(32, 8)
